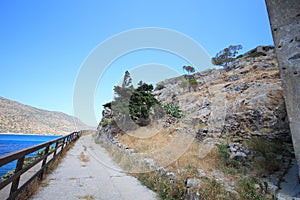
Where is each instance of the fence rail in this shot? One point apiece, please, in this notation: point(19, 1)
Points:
point(58, 146)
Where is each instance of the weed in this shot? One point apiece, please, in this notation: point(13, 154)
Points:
point(223, 150)
point(87, 197)
point(227, 165)
point(84, 158)
point(266, 152)
point(166, 188)
point(45, 183)
point(212, 190)
point(253, 189)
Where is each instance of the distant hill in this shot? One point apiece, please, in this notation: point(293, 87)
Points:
point(19, 118)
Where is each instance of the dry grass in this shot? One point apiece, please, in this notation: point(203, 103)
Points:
point(146, 140)
point(87, 197)
point(200, 155)
point(212, 190)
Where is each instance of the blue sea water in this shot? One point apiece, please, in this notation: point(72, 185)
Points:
point(14, 142)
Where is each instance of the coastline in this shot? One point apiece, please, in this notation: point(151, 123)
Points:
point(33, 134)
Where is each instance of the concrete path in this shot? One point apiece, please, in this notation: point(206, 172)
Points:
point(290, 188)
point(87, 172)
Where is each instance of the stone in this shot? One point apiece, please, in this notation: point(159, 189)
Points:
point(201, 172)
point(192, 182)
point(161, 170)
point(191, 194)
point(129, 150)
point(170, 174)
point(149, 161)
point(238, 155)
point(232, 149)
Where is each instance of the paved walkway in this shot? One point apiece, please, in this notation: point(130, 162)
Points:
point(290, 188)
point(87, 172)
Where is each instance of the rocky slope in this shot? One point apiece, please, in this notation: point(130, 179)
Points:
point(19, 118)
point(243, 100)
point(238, 118)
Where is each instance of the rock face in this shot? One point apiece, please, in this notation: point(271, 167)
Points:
point(244, 99)
point(234, 104)
point(19, 118)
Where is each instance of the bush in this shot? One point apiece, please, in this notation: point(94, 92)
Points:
point(104, 123)
point(256, 54)
point(239, 56)
point(247, 189)
point(172, 110)
point(193, 82)
point(223, 150)
point(159, 87)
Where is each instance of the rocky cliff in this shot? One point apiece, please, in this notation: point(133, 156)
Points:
point(19, 118)
point(242, 100)
point(242, 146)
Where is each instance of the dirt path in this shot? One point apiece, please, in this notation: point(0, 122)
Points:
point(87, 172)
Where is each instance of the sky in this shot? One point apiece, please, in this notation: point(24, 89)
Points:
point(44, 44)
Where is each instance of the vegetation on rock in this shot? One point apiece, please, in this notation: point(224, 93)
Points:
point(226, 56)
point(137, 106)
point(245, 158)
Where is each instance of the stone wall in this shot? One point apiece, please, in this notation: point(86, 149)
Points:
point(284, 18)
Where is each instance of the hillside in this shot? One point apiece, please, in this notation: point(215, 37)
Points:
point(19, 118)
point(233, 141)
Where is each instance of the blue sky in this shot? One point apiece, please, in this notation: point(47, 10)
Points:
point(44, 43)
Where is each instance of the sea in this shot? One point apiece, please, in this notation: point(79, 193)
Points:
point(14, 142)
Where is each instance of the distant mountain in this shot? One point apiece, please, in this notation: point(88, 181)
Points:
point(19, 118)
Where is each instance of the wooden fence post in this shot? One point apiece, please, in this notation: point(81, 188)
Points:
point(15, 183)
point(44, 161)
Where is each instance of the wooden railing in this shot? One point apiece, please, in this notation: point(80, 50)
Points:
point(51, 149)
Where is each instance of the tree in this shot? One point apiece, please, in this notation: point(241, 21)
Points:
point(140, 104)
point(189, 69)
point(126, 80)
point(226, 56)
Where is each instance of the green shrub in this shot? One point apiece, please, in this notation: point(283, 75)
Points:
point(104, 123)
point(193, 82)
point(247, 189)
point(256, 54)
point(223, 150)
point(172, 110)
point(159, 87)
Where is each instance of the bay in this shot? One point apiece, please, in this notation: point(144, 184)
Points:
point(14, 142)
